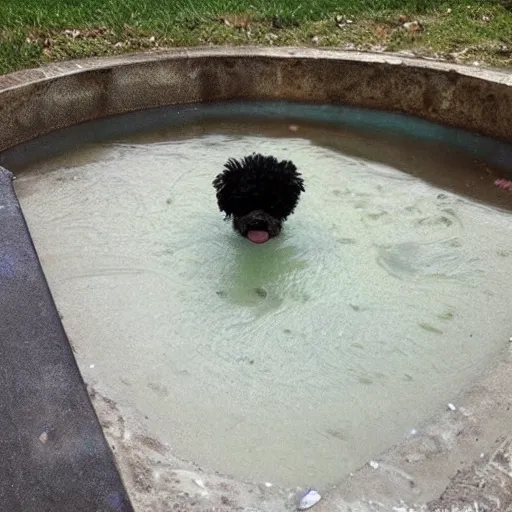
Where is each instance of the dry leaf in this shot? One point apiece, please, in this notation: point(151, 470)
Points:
point(236, 21)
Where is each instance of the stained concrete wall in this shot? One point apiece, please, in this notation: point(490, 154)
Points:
point(36, 102)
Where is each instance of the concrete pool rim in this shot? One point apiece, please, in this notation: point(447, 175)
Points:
point(36, 102)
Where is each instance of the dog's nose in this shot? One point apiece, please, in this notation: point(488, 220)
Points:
point(257, 223)
point(258, 226)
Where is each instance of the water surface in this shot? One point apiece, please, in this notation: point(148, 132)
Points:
point(296, 361)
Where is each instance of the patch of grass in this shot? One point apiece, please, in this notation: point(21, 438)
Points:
point(16, 52)
point(33, 32)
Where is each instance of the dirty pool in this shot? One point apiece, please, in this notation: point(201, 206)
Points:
point(293, 362)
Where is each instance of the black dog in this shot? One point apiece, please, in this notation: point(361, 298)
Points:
point(259, 193)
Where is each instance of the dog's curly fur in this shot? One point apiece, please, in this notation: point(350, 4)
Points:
point(258, 192)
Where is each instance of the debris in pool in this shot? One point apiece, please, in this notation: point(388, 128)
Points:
point(309, 499)
point(413, 432)
point(43, 438)
point(268, 484)
point(452, 407)
point(200, 483)
point(91, 366)
point(261, 292)
point(293, 128)
point(503, 184)
point(374, 465)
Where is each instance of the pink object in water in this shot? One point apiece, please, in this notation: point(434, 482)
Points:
point(504, 184)
point(258, 237)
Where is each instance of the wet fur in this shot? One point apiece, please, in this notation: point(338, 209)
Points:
point(258, 192)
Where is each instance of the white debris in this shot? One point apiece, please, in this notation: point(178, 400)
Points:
point(309, 499)
point(91, 366)
point(73, 33)
point(374, 465)
point(413, 432)
point(200, 483)
point(452, 407)
point(268, 484)
point(342, 22)
point(510, 339)
point(412, 26)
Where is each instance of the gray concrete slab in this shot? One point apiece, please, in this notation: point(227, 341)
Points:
point(53, 454)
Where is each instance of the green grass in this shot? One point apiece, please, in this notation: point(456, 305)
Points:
point(36, 31)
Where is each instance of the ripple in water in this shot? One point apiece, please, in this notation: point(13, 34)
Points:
point(292, 362)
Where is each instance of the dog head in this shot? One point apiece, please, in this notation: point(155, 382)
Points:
point(259, 193)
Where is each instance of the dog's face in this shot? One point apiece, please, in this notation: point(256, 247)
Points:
point(257, 226)
point(258, 193)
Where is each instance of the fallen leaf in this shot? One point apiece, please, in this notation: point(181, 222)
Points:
point(382, 32)
point(236, 21)
point(413, 26)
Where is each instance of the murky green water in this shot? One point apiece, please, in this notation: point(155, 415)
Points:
point(296, 361)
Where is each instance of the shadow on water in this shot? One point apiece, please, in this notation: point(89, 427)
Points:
point(370, 135)
point(472, 175)
point(416, 161)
